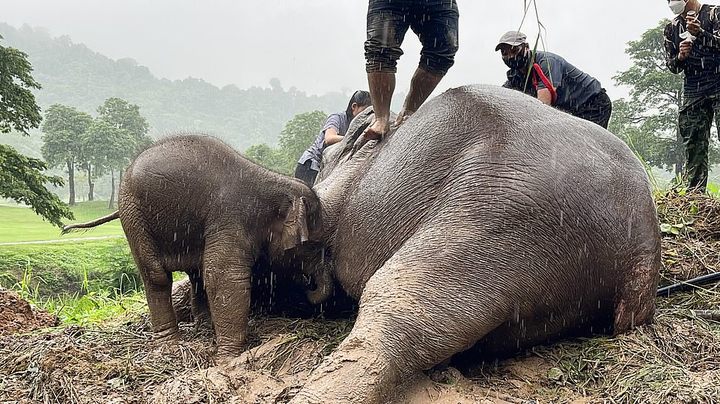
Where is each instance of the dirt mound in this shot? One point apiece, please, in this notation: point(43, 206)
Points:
point(16, 315)
point(690, 224)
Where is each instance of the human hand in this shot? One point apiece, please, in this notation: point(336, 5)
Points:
point(685, 49)
point(693, 25)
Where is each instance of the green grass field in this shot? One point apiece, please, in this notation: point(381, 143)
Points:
point(68, 268)
point(19, 224)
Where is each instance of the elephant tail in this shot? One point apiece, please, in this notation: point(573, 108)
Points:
point(87, 225)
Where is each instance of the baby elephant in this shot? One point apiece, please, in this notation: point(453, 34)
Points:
point(193, 204)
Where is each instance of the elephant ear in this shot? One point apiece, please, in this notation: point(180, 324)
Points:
point(295, 229)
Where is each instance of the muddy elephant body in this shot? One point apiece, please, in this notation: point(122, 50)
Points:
point(193, 204)
point(487, 219)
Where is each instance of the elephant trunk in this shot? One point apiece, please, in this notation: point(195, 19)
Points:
point(324, 285)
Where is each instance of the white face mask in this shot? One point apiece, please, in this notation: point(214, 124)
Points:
point(677, 6)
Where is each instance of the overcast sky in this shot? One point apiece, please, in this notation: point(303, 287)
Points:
point(317, 45)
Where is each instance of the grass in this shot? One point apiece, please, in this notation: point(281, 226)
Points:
point(18, 224)
point(55, 269)
point(95, 307)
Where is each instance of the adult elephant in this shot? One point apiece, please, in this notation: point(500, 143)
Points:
point(487, 219)
point(191, 203)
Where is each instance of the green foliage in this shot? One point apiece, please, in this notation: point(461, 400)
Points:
point(107, 143)
point(18, 110)
point(69, 268)
point(123, 115)
point(655, 151)
point(267, 156)
point(63, 129)
point(299, 134)
point(95, 307)
point(118, 134)
point(22, 180)
point(295, 138)
point(107, 146)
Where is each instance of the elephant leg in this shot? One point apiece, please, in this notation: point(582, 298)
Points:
point(635, 300)
point(411, 318)
point(226, 276)
point(157, 281)
point(182, 301)
point(198, 299)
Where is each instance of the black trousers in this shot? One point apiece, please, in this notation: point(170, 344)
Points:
point(434, 21)
point(597, 109)
point(694, 121)
point(305, 173)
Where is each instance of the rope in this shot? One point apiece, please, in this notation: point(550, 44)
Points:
point(539, 40)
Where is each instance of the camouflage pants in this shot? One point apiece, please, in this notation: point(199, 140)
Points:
point(695, 119)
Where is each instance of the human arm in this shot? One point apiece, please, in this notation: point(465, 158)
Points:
point(674, 58)
point(549, 77)
point(709, 38)
point(331, 129)
point(332, 136)
point(544, 95)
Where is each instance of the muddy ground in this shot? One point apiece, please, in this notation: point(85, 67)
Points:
point(677, 359)
point(16, 315)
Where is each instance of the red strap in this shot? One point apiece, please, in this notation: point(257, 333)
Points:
point(546, 82)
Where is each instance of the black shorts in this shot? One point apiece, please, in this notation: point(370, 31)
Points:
point(434, 21)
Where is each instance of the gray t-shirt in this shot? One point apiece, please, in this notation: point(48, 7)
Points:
point(574, 87)
point(337, 121)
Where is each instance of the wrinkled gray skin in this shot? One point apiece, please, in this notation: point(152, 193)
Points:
point(193, 204)
point(488, 218)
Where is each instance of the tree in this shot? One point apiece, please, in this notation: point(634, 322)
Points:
point(656, 151)
point(124, 115)
point(129, 139)
point(21, 177)
point(111, 148)
point(18, 110)
point(267, 157)
point(63, 129)
point(648, 121)
point(295, 138)
point(298, 135)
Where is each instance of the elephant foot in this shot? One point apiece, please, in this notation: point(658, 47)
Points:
point(230, 348)
point(167, 346)
point(169, 335)
point(349, 375)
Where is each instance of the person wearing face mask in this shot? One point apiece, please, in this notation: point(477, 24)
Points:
point(553, 80)
point(692, 46)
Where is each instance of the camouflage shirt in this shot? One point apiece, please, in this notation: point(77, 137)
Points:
point(702, 67)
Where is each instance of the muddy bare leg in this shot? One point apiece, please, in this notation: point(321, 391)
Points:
point(422, 85)
point(382, 86)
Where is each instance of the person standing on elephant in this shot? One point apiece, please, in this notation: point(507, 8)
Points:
point(333, 130)
point(435, 22)
point(692, 46)
point(553, 80)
